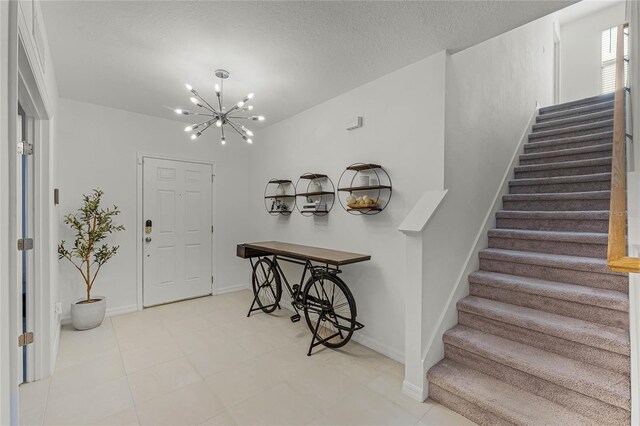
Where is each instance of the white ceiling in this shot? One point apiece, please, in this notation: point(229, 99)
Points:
point(137, 55)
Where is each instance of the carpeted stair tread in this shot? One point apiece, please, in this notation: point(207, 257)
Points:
point(588, 264)
point(564, 165)
point(560, 215)
point(589, 380)
point(570, 142)
point(543, 220)
point(579, 110)
point(562, 180)
point(577, 103)
point(505, 401)
point(597, 335)
point(585, 244)
point(561, 155)
point(571, 121)
point(559, 196)
point(581, 129)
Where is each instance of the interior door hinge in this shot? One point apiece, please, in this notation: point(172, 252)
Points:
point(25, 244)
point(211, 279)
point(25, 339)
point(212, 176)
point(25, 148)
point(212, 229)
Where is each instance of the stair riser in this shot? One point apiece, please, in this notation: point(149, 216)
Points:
point(586, 405)
point(552, 247)
point(571, 157)
point(575, 112)
point(589, 313)
point(570, 276)
point(581, 103)
point(564, 122)
point(556, 205)
point(464, 407)
point(578, 351)
point(569, 171)
point(530, 148)
point(559, 134)
point(601, 185)
point(574, 225)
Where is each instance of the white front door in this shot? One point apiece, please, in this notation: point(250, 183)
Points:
point(177, 237)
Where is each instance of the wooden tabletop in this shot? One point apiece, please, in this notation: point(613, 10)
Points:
point(316, 254)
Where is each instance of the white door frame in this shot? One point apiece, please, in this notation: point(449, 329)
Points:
point(140, 219)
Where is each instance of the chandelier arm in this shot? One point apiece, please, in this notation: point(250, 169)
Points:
point(242, 118)
point(206, 127)
point(204, 100)
point(233, 126)
point(204, 115)
point(195, 126)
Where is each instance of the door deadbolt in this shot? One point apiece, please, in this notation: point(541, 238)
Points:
point(148, 239)
point(148, 227)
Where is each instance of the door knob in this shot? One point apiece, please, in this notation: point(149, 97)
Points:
point(148, 239)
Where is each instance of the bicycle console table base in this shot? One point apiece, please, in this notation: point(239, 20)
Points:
point(269, 253)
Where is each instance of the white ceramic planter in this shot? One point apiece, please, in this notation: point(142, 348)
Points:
point(85, 316)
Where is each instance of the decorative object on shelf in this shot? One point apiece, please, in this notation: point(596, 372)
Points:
point(318, 192)
point(88, 254)
point(220, 115)
point(279, 197)
point(367, 189)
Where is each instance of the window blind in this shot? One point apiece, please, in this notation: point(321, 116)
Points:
point(608, 59)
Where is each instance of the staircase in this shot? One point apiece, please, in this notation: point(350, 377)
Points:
point(543, 337)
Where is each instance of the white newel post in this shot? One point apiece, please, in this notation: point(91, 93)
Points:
point(415, 381)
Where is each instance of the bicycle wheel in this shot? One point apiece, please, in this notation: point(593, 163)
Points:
point(329, 309)
point(267, 288)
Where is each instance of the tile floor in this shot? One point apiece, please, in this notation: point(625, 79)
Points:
point(203, 362)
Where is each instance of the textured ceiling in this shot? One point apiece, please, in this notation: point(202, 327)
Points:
point(137, 55)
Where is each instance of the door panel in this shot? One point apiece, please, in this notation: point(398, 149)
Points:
point(177, 261)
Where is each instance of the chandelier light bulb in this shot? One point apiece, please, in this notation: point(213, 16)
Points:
point(250, 96)
point(188, 86)
point(223, 141)
point(188, 128)
point(217, 88)
point(247, 131)
point(240, 104)
point(261, 118)
point(219, 123)
point(195, 136)
point(249, 140)
point(250, 107)
point(194, 100)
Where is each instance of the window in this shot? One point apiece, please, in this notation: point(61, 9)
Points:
point(608, 61)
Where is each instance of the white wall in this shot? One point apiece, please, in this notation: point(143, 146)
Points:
point(580, 52)
point(403, 131)
point(98, 147)
point(491, 93)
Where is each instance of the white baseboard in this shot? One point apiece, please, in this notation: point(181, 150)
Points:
point(119, 310)
point(415, 392)
point(232, 289)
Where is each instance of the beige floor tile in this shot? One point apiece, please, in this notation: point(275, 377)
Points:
point(190, 405)
point(76, 347)
point(89, 406)
point(223, 419)
point(186, 325)
point(138, 337)
point(202, 339)
point(264, 341)
point(162, 378)
point(33, 401)
point(280, 405)
point(148, 356)
point(323, 385)
point(440, 415)
point(389, 385)
point(241, 382)
point(128, 417)
point(212, 360)
point(86, 375)
point(289, 360)
point(365, 407)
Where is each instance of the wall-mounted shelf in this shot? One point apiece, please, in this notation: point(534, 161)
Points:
point(279, 197)
point(372, 187)
point(317, 193)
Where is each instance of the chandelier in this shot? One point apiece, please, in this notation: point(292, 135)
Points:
point(220, 116)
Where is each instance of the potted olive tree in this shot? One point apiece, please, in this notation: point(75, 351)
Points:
point(88, 253)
